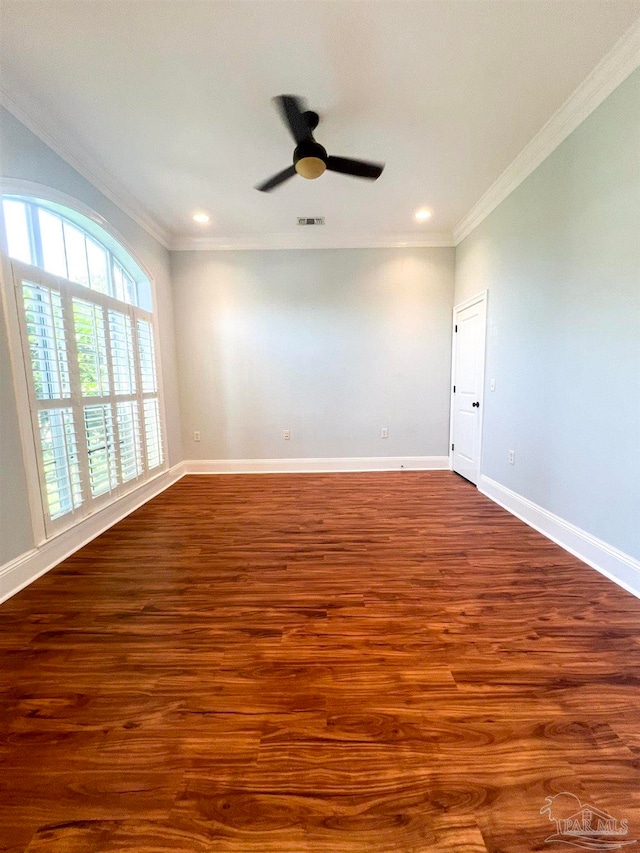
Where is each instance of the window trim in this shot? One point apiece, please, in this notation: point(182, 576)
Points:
point(21, 367)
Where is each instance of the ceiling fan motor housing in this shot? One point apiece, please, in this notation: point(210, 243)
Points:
point(310, 159)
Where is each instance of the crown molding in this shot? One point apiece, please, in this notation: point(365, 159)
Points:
point(608, 74)
point(49, 132)
point(24, 108)
point(308, 241)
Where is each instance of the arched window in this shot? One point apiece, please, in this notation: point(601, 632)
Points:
point(86, 322)
point(69, 244)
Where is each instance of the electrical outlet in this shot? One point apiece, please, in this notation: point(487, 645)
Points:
point(512, 457)
point(196, 435)
point(286, 434)
point(384, 433)
point(493, 385)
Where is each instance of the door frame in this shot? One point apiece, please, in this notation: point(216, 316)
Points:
point(483, 297)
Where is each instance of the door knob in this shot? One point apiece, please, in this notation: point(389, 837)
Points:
point(476, 405)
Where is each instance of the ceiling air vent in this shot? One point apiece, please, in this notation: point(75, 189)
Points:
point(311, 220)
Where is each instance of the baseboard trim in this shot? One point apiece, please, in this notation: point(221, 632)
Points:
point(609, 561)
point(28, 567)
point(321, 465)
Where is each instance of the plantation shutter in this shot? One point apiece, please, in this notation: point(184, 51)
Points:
point(93, 389)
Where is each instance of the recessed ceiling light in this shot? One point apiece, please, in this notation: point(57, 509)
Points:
point(200, 217)
point(422, 214)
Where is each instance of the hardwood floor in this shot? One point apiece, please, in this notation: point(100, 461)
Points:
point(340, 663)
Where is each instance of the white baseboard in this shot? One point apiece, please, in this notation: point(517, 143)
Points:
point(611, 562)
point(26, 568)
point(323, 465)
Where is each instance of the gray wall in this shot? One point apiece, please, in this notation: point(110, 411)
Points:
point(24, 156)
point(561, 260)
point(331, 344)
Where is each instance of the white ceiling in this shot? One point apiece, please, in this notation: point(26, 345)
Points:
point(169, 101)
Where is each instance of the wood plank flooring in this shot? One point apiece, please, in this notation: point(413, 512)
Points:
point(340, 663)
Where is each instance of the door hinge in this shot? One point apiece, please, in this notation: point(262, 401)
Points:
point(452, 446)
point(454, 389)
point(456, 328)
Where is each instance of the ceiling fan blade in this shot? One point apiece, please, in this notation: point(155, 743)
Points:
point(292, 109)
point(274, 181)
point(357, 168)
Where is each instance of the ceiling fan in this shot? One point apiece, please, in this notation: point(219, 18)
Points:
point(310, 159)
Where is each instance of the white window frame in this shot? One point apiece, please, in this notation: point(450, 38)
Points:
point(13, 273)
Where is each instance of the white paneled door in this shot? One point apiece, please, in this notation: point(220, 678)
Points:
point(469, 324)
